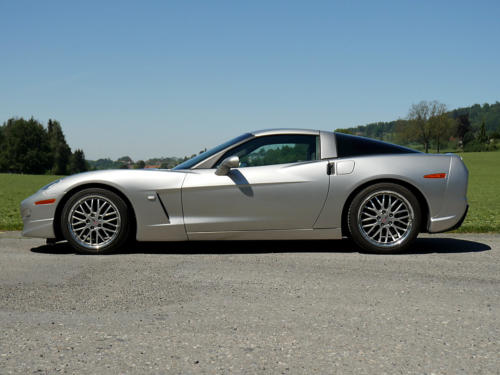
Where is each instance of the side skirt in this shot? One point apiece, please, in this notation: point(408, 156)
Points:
point(286, 234)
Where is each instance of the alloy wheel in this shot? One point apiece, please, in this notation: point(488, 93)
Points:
point(94, 221)
point(385, 218)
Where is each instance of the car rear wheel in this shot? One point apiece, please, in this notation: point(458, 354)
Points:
point(95, 221)
point(384, 218)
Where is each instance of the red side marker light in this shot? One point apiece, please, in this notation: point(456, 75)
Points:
point(46, 201)
point(435, 175)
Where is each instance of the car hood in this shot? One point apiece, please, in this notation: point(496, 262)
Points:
point(122, 179)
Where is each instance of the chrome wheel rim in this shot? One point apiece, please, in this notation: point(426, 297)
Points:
point(94, 221)
point(385, 218)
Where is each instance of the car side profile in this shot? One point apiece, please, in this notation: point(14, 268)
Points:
point(263, 185)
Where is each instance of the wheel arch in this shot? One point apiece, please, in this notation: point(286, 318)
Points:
point(76, 189)
point(424, 204)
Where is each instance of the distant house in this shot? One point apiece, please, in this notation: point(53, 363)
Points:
point(152, 166)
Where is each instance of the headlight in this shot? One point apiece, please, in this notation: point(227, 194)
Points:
point(51, 184)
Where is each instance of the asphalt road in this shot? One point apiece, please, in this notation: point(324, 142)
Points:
point(251, 307)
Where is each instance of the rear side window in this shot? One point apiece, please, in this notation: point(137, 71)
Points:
point(351, 145)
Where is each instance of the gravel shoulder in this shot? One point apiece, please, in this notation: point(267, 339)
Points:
point(298, 307)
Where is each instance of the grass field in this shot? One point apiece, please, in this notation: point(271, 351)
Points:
point(13, 189)
point(483, 194)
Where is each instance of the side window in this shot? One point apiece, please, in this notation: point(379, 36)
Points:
point(349, 145)
point(275, 149)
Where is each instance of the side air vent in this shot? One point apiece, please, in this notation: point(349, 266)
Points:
point(163, 206)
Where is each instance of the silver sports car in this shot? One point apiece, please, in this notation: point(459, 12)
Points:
point(266, 185)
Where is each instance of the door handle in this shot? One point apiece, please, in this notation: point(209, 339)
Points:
point(330, 168)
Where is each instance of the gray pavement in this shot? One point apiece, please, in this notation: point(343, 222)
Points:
point(251, 307)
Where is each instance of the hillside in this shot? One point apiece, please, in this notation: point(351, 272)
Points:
point(489, 113)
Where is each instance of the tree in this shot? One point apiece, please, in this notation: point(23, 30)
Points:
point(482, 137)
point(495, 135)
point(60, 153)
point(404, 132)
point(464, 128)
point(439, 122)
point(24, 147)
point(345, 131)
point(140, 164)
point(418, 118)
point(105, 163)
point(427, 121)
point(125, 161)
point(3, 163)
point(77, 162)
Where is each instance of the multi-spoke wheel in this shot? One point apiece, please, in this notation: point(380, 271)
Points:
point(384, 218)
point(95, 221)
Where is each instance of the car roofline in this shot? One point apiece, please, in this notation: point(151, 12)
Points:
point(278, 131)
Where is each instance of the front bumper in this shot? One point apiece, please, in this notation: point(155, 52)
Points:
point(43, 228)
point(38, 219)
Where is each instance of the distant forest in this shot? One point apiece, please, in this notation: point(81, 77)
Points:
point(126, 162)
point(26, 146)
point(475, 128)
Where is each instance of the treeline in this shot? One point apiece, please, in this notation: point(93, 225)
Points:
point(126, 162)
point(429, 125)
point(26, 146)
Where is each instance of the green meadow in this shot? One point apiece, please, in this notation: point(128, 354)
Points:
point(13, 189)
point(483, 194)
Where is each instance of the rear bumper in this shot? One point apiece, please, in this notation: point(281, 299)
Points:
point(454, 201)
point(457, 225)
point(445, 224)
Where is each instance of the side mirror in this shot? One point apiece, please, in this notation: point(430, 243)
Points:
point(228, 163)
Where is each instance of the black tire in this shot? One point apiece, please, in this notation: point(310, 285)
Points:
point(95, 221)
point(378, 227)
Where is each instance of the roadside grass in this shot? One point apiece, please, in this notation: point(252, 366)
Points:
point(13, 189)
point(483, 194)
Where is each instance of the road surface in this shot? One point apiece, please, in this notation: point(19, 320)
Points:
point(299, 307)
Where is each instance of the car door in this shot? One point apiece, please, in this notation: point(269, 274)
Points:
point(280, 184)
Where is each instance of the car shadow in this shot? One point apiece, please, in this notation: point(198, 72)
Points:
point(429, 245)
point(445, 245)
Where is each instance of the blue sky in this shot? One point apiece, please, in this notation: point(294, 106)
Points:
point(167, 78)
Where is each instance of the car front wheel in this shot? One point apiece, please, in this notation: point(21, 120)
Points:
point(384, 218)
point(95, 221)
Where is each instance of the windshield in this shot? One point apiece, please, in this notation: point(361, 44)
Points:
point(199, 158)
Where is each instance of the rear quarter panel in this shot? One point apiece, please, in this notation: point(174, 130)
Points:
point(409, 168)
